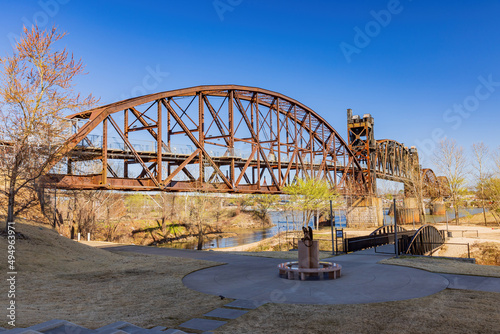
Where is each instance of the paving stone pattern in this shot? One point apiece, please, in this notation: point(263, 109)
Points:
point(224, 313)
point(57, 326)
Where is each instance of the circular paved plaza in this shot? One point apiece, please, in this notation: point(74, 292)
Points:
point(362, 281)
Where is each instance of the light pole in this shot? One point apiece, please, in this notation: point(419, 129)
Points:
point(55, 206)
point(446, 214)
point(396, 229)
point(331, 224)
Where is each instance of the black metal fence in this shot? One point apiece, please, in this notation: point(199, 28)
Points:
point(325, 245)
point(470, 233)
point(369, 241)
point(437, 246)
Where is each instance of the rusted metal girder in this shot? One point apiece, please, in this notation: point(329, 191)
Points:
point(434, 186)
point(395, 162)
point(382, 159)
point(362, 144)
point(244, 139)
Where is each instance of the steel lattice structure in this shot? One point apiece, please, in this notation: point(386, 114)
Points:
point(395, 161)
point(214, 138)
point(225, 138)
point(434, 186)
point(381, 159)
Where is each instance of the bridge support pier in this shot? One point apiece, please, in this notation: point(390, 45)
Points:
point(365, 212)
point(438, 207)
point(409, 213)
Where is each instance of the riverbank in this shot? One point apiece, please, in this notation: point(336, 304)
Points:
point(478, 219)
point(149, 232)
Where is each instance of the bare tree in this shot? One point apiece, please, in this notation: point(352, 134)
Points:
point(242, 202)
point(496, 159)
point(200, 209)
point(167, 217)
point(263, 203)
point(480, 151)
point(451, 162)
point(113, 211)
point(36, 88)
point(492, 192)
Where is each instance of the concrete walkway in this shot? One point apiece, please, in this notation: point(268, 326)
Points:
point(363, 280)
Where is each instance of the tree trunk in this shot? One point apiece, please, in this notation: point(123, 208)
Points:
point(12, 195)
point(200, 237)
point(494, 216)
point(172, 208)
point(11, 203)
point(456, 215)
point(164, 227)
point(10, 209)
point(421, 210)
point(484, 212)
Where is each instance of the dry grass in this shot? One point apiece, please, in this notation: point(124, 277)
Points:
point(445, 266)
point(449, 311)
point(59, 278)
point(487, 253)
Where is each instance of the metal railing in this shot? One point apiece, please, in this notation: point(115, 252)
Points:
point(441, 245)
point(465, 231)
point(325, 245)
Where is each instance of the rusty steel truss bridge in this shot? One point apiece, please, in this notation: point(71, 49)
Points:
point(226, 138)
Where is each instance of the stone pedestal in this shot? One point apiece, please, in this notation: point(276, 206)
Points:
point(309, 256)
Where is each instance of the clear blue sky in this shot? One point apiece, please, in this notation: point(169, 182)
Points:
point(407, 69)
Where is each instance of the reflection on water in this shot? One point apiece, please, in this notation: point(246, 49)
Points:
point(281, 225)
point(244, 237)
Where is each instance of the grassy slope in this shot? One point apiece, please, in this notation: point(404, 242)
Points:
point(59, 278)
point(450, 311)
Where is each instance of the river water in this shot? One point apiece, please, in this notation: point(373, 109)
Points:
point(281, 225)
point(281, 222)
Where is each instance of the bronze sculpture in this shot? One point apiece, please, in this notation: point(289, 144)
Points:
point(308, 236)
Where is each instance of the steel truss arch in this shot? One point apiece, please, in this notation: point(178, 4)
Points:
point(434, 186)
point(241, 139)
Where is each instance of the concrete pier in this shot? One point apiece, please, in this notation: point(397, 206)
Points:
point(366, 212)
